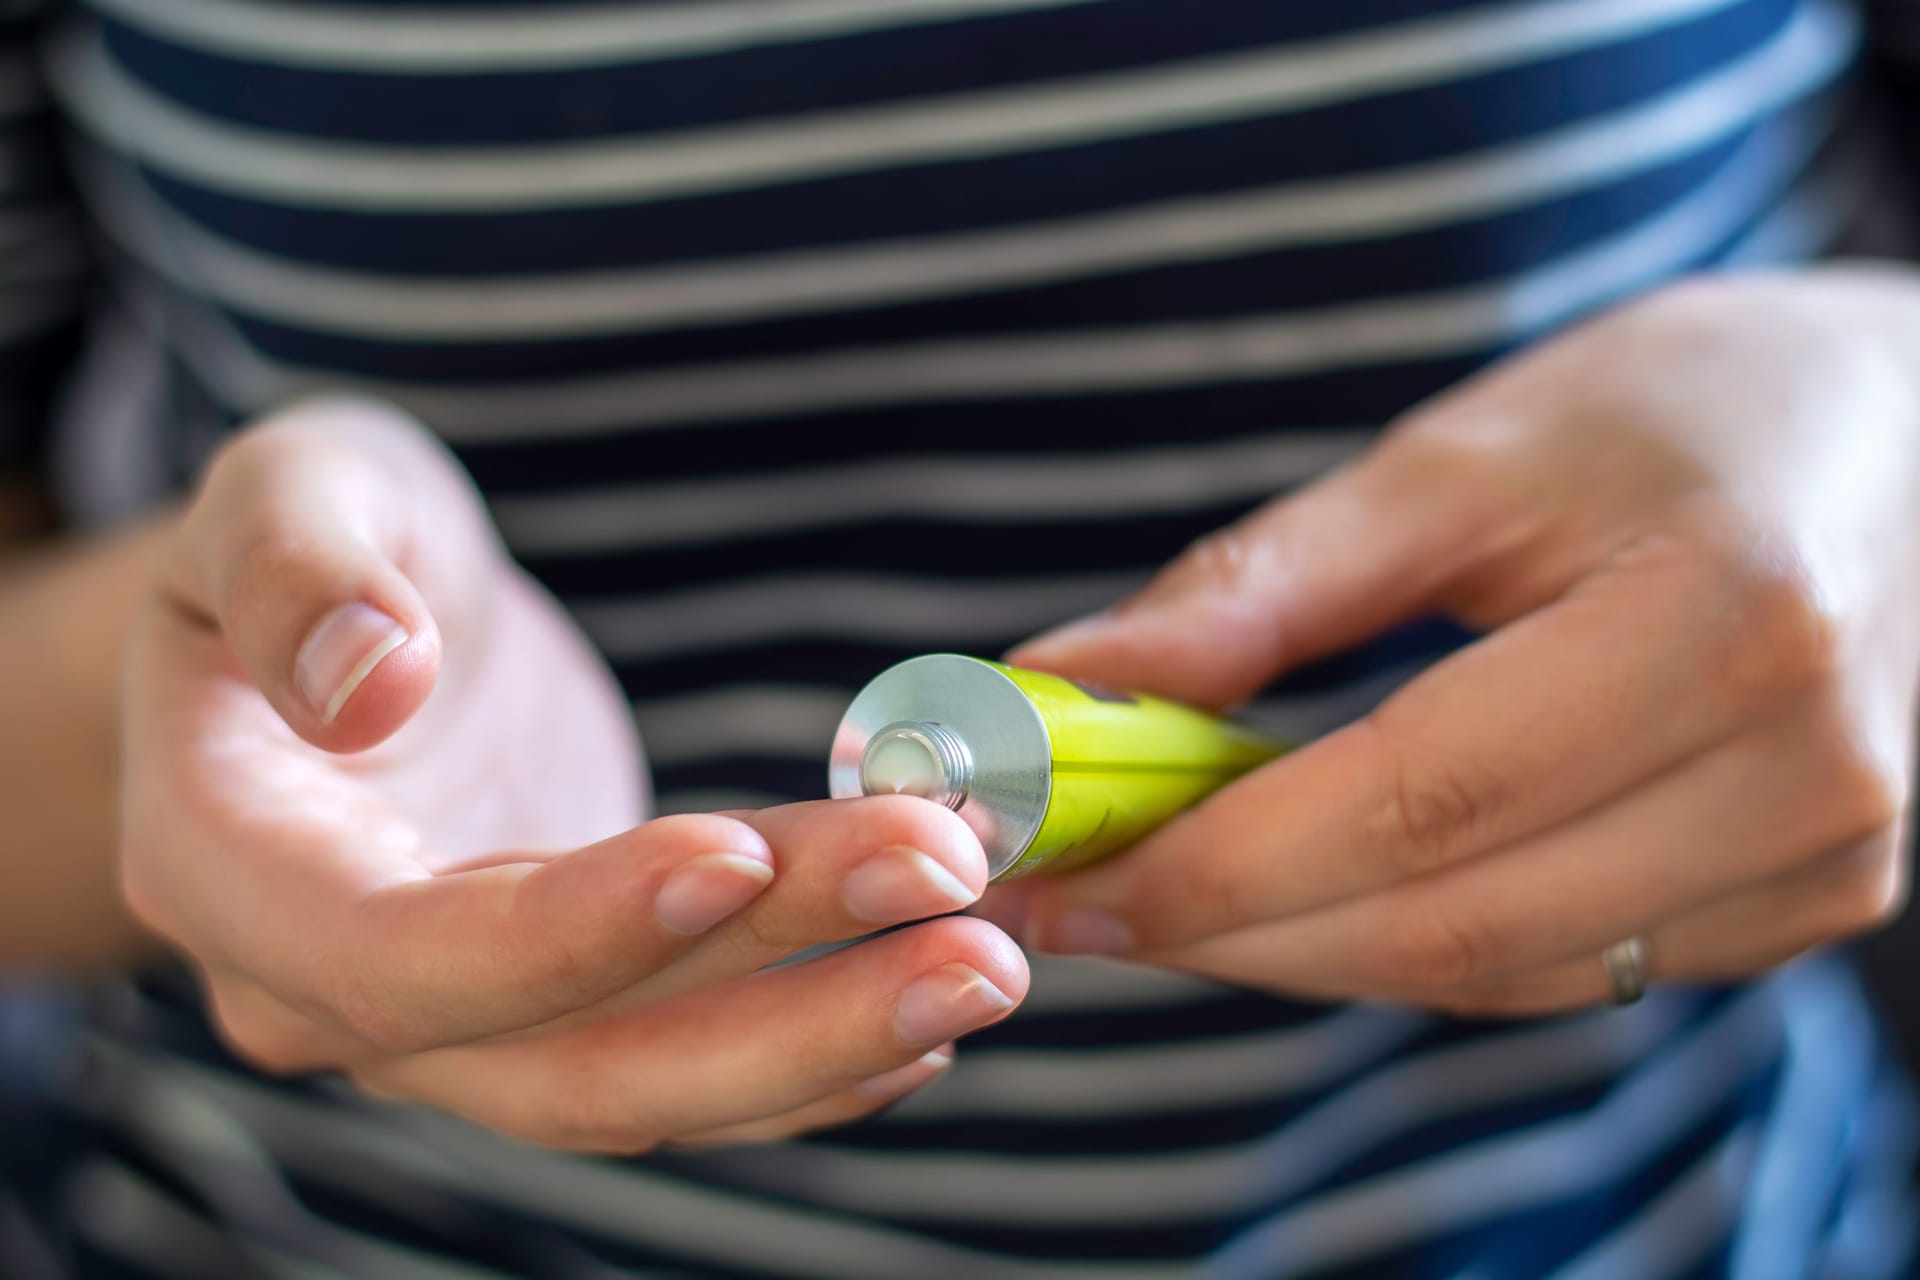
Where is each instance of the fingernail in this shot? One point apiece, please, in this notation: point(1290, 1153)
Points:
point(1081, 931)
point(708, 889)
point(342, 652)
point(891, 1084)
point(1063, 640)
point(899, 883)
point(949, 1002)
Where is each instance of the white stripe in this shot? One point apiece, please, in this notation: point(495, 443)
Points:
point(1198, 92)
point(1220, 1071)
point(463, 41)
point(131, 1217)
point(958, 615)
point(1378, 203)
point(633, 1204)
point(127, 1217)
point(1096, 1188)
point(1535, 1166)
point(360, 1149)
point(969, 488)
point(1243, 348)
point(341, 1144)
point(204, 1146)
point(1680, 1225)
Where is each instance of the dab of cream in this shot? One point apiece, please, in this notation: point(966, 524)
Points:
point(902, 766)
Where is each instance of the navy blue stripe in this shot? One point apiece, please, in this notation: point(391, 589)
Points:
point(871, 67)
point(1230, 1013)
point(492, 1233)
point(955, 551)
point(844, 662)
point(784, 777)
point(1533, 1242)
point(1355, 137)
point(1575, 1223)
point(401, 1211)
point(1297, 278)
point(1136, 419)
point(1716, 1264)
point(32, 373)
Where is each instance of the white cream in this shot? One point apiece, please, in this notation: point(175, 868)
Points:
point(901, 765)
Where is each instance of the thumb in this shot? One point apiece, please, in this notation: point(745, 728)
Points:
point(1371, 545)
point(291, 552)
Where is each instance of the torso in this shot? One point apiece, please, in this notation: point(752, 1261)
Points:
point(788, 351)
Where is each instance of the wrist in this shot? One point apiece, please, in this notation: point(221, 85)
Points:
point(66, 613)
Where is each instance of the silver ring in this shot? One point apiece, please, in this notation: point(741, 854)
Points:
point(1626, 966)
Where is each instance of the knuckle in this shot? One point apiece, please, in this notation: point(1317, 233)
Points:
point(1868, 797)
point(1435, 951)
point(377, 1022)
point(1210, 893)
point(143, 897)
point(1869, 891)
point(1782, 636)
point(770, 931)
point(265, 561)
point(1861, 792)
point(592, 1115)
point(1427, 813)
point(571, 967)
point(1227, 560)
point(277, 1046)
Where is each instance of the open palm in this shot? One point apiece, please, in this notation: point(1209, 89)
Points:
point(384, 797)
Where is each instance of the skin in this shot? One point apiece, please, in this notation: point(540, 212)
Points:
point(1688, 533)
point(1687, 529)
point(440, 895)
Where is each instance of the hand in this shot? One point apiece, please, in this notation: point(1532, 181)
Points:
point(384, 797)
point(1689, 531)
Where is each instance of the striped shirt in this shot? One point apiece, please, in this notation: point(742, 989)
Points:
point(789, 338)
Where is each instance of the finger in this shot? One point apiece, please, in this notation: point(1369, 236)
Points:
point(265, 1032)
point(1311, 573)
point(1665, 654)
point(1765, 806)
point(764, 1046)
point(1851, 893)
point(302, 550)
point(846, 868)
point(408, 961)
point(1734, 939)
point(858, 1103)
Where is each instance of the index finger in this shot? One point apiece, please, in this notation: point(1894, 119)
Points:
point(1663, 654)
point(433, 960)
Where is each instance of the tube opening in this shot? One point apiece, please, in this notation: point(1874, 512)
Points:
point(917, 758)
